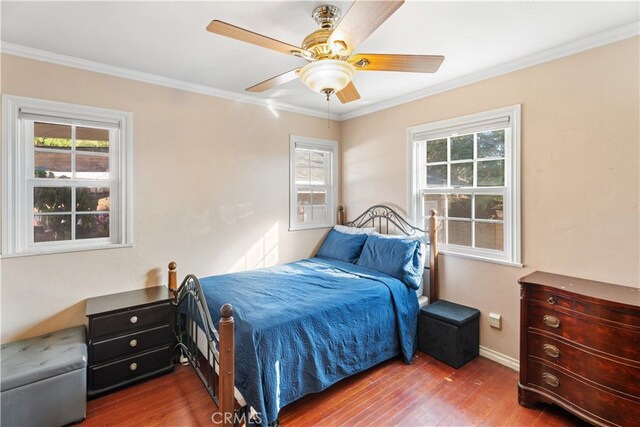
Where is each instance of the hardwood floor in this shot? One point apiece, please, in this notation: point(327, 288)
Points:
point(426, 393)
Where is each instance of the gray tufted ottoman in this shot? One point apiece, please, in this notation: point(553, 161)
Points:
point(44, 379)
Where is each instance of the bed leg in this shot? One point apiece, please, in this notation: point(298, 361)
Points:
point(227, 366)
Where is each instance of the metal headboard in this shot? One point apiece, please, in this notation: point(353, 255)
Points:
point(384, 215)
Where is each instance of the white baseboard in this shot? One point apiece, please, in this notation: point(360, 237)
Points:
point(500, 358)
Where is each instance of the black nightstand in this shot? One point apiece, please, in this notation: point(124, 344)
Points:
point(130, 338)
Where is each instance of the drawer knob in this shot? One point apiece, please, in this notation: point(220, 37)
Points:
point(133, 366)
point(552, 380)
point(133, 319)
point(133, 343)
point(551, 350)
point(551, 321)
point(551, 301)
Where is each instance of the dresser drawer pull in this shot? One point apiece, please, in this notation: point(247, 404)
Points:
point(551, 301)
point(551, 321)
point(133, 366)
point(552, 380)
point(134, 319)
point(551, 350)
point(133, 343)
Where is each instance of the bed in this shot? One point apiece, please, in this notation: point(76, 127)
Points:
point(290, 330)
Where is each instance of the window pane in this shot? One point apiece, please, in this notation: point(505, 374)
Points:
point(51, 199)
point(318, 176)
point(462, 147)
point(459, 233)
point(437, 176)
point(462, 174)
point(434, 201)
point(92, 226)
point(92, 199)
point(491, 144)
point(491, 173)
point(437, 150)
point(93, 140)
point(49, 135)
point(319, 197)
point(319, 214)
point(52, 165)
point(304, 197)
point(47, 228)
point(459, 205)
point(490, 235)
point(92, 167)
point(304, 214)
point(489, 207)
point(317, 159)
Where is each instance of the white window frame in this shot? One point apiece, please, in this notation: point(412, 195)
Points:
point(17, 170)
point(304, 142)
point(417, 135)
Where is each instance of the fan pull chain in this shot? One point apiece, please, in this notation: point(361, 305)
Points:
point(328, 121)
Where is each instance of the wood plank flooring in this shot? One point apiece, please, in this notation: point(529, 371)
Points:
point(426, 393)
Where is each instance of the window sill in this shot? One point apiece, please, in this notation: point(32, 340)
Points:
point(482, 258)
point(51, 251)
point(310, 227)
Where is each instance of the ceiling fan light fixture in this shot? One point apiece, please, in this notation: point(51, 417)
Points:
point(327, 75)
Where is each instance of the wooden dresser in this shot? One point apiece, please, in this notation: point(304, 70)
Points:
point(580, 347)
point(130, 338)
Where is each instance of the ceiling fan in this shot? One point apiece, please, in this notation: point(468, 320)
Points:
point(329, 49)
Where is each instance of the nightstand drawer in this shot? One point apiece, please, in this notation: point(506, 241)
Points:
point(127, 345)
point(131, 368)
point(137, 318)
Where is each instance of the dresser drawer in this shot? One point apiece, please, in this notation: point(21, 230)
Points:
point(602, 370)
point(590, 332)
point(607, 407)
point(553, 299)
point(130, 320)
point(112, 374)
point(127, 345)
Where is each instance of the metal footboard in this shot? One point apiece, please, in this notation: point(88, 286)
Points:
point(210, 352)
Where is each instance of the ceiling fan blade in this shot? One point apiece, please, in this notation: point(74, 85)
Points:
point(228, 30)
point(348, 94)
point(274, 81)
point(362, 19)
point(384, 62)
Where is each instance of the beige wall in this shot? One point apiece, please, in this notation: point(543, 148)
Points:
point(211, 184)
point(580, 175)
point(210, 192)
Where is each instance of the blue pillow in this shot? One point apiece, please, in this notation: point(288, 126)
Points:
point(341, 246)
point(400, 258)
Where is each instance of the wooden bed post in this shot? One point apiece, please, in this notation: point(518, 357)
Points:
point(173, 281)
point(433, 256)
point(227, 366)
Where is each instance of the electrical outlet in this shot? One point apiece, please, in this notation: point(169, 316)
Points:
point(495, 320)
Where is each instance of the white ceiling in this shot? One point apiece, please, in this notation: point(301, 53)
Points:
point(168, 39)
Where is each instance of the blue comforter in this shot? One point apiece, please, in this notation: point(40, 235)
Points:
point(303, 326)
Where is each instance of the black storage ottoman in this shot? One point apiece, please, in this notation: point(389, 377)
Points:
point(449, 332)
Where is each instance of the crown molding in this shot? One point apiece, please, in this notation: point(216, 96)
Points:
point(577, 46)
point(70, 61)
point(590, 42)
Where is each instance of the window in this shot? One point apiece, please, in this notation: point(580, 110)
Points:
point(314, 183)
point(468, 170)
point(66, 173)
